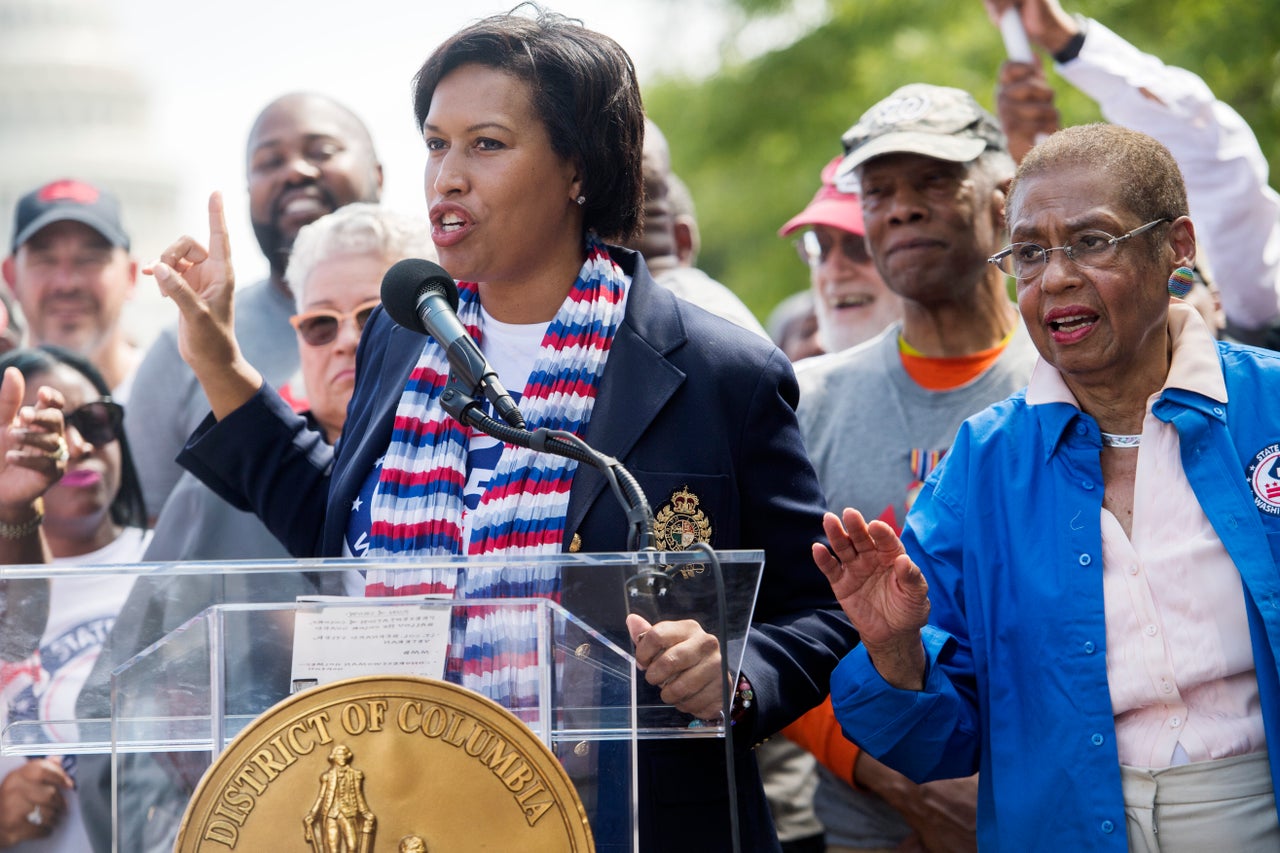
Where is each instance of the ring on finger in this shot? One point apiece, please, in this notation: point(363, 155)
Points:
point(61, 453)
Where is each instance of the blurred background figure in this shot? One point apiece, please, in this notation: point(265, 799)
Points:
point(335, 272)
point(850, 299)
point(69, 267)
point(337, 263)
point(13, 326)
point(793, 326)
point(668, 238)
point(307, 155)
point(93, 515)
point(1237, 213)
point(1205, 298)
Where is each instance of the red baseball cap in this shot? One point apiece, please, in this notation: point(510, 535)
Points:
point(836, 204)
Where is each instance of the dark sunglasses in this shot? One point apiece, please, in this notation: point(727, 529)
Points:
point(98, 422)
point(320, 327)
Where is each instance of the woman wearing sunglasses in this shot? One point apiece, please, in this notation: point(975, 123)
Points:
point(335, 272)
point(93, 514)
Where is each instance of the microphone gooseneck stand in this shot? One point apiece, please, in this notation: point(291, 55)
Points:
point(726, 689)
point(459, 401)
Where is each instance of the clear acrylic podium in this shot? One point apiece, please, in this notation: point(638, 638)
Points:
point(174, 705)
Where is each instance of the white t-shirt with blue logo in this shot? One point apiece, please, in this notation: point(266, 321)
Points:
point(44, 687)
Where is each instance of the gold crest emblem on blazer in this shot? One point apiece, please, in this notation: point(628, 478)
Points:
point(680, 523)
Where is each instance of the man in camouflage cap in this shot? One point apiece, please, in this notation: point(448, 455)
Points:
point(933, 121)
point(932, 168)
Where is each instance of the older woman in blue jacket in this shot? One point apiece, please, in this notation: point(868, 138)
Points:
point(1084, 605)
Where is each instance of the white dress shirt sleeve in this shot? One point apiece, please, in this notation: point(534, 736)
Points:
point(1236, 213)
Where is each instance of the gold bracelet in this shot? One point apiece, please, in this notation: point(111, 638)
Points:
point(25, 528)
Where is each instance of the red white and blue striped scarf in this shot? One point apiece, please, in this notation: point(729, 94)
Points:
point(417, 506)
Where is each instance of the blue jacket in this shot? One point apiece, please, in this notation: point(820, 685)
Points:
point(687, 399)
point(1008, 534)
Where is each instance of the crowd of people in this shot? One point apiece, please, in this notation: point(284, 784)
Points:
point(1008, 454)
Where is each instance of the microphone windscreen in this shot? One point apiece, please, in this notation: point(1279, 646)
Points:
point(404, 284)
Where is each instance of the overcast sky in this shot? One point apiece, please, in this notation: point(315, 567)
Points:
point(210, 75)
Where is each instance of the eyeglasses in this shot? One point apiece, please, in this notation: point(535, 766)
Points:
point(99, 422)
point(1090, 250)
point(320, 327)
point(811, 250)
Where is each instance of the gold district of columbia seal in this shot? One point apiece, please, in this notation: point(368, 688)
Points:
point(385, 764)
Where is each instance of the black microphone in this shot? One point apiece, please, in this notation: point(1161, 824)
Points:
point(421, 296)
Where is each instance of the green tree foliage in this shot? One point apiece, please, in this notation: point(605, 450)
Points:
point(751, 139)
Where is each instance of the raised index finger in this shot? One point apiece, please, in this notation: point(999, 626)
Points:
point(219, 242)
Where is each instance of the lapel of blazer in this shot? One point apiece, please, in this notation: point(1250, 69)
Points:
point(367, 431)
point(638, 381)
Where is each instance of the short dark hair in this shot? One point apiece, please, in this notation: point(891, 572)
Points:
point(585, 91)
point(128, 508)
point(1147, 179)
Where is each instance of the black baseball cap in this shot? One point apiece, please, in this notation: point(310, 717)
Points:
point(935, 121)
point(68, 199)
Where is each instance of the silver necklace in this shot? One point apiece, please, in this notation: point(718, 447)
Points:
point(1110, 439)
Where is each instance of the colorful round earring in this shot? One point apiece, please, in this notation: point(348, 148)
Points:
point(1180, 282)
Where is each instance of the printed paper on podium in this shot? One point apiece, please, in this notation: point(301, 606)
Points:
point(335, 637)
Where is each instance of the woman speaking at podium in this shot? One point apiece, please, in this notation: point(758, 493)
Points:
point(533, 129)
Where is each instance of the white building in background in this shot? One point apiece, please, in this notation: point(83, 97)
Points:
point(71, 106)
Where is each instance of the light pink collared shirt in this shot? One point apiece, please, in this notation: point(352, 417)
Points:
point(1179, 661)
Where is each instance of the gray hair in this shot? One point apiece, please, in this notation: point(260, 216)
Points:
point(356, 229)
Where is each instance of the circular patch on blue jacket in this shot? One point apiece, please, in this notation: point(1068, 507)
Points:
point(1264, 478)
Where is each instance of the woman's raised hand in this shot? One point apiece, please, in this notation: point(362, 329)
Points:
point(201, 282)
point(881, 591)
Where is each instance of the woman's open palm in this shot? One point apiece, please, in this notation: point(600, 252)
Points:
point(881, 591)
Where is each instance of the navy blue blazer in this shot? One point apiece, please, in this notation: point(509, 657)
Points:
point(687, 400)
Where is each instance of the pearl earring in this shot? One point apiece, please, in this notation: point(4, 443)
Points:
point(581, 200)
point(1180, 282)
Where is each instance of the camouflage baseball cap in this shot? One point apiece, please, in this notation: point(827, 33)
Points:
point(936, 121)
